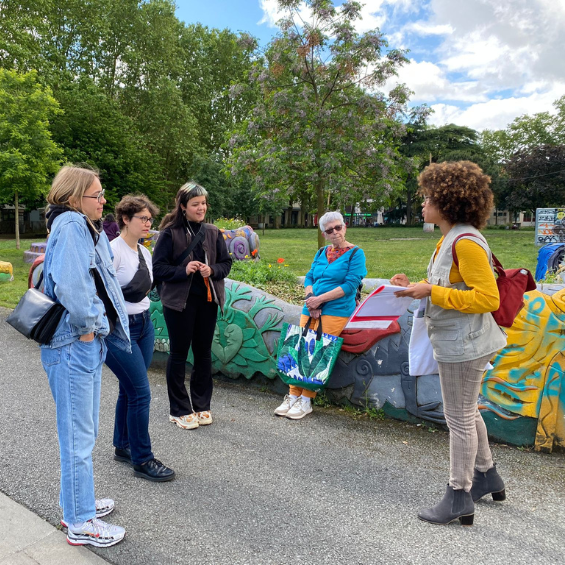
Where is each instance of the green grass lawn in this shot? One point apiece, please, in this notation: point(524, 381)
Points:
point(393, 250)
point(388, 250)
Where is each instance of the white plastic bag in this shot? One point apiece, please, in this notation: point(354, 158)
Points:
point(420, 352)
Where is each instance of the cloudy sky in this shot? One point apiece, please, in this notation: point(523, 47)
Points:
point(478, 63)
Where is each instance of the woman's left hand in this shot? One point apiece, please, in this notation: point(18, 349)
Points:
point(418, 290)
point(205, 270)
point(313, 303)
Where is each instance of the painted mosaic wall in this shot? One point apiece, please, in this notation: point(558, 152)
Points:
point(522, 397)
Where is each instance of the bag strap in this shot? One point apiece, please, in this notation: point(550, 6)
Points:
point(495, 262)
point(319, 330)
point(195, 241)
point(141, 257)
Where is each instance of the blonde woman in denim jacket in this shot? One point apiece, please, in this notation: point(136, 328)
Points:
point(79, 274)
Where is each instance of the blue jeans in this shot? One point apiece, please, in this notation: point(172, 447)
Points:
point(131, 427)
point(74, 372)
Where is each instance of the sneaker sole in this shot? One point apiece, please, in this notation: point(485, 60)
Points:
point(205, 423)
point(183, 426)
point(281, 413)
point(123, 459)
point(298, 416)
point(92, 541)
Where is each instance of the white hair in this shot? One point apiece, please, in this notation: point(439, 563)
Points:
point(330, 217)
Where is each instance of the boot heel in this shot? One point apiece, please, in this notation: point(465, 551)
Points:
point(499, 496)
point(467, 520)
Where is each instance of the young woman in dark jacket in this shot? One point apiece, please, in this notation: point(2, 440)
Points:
point(192, 289)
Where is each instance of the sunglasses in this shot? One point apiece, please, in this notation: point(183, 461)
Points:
point(98, 196)
point(331, 230)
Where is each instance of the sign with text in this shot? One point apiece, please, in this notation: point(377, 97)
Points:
point(550, 225)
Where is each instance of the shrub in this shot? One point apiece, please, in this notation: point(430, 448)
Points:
point(260, 273)
point(229, 223)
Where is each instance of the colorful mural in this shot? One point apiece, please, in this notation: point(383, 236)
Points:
point(522, 398)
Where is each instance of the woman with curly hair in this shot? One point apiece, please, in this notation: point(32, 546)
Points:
point(460, 298)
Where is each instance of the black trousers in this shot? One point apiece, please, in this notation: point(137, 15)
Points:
point(193, 326)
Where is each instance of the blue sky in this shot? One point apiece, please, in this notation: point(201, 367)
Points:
point(479, 63)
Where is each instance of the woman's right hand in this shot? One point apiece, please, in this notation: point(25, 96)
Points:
point(315, 313)
point(193, 266)
point(400, 280)
point(87, 337)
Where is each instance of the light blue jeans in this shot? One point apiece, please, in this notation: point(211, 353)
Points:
point(74, 372)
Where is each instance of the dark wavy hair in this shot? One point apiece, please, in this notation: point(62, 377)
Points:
point(132, 204)
point(185, 193)
point(459, 190)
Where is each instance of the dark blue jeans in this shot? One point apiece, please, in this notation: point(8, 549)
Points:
point(131, 427)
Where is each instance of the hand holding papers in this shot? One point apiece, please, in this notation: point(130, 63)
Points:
point(379, 309)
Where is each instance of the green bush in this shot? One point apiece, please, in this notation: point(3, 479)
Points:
point(260, 273)
point(229, 223)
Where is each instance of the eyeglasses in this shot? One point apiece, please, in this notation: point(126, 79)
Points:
point(331, 230)
point(145, 219)
point(98, 196)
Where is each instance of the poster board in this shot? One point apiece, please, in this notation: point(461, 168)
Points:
point(550, 225)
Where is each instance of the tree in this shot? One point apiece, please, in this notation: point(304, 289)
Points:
point(28, 154)
point(536, 178)
point(320, 127)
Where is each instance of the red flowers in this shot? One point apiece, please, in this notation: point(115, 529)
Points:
point(280, 260)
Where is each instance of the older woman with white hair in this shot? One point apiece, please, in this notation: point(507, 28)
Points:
point(330, 285)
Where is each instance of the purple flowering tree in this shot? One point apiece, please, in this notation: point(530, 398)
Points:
point(321, 130)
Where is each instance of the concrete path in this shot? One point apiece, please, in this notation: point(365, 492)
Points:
point(257, 489)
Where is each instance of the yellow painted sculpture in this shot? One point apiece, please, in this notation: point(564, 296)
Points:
point(528, 373)
point(6, 271)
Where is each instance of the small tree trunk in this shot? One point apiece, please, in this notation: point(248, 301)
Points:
point(408, 208)
point(264, 220)
point(16, 205)
point(321, 209)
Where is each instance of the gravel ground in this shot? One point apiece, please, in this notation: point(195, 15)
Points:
point(257, 489)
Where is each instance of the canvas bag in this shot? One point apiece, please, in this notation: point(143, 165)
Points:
point(305, 357)
point(511, 283)
point(420, 352)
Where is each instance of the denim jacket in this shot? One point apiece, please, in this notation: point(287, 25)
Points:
point(69, 256)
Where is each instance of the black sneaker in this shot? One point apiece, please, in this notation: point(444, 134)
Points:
point(154, 470)
point(122, 454)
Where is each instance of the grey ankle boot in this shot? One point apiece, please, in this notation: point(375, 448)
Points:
point(488, 483)
point(455, 505)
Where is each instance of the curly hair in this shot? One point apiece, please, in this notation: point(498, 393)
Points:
point(132, 204)
point(459, 190)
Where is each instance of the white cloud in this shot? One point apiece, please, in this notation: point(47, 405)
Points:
point(429, 83)
point(497, 113)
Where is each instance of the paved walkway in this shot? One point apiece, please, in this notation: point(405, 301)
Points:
point(257, 489)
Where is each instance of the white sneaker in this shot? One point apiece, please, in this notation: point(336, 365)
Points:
point(103, 507)
point(287, 404)
point(300, 409)
point(97, 533)
point(204, 418)
point(186, 422)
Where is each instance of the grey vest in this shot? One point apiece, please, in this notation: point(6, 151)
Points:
point(457, 336)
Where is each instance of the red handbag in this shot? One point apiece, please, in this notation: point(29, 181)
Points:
point(511, 283)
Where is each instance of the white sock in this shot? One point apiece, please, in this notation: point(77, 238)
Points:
point(306, 399)
point(76, 526)
point(293, 396)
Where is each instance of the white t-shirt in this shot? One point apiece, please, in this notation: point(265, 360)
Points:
point(126, 263)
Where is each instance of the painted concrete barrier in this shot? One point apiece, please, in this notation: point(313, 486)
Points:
point(522, 397)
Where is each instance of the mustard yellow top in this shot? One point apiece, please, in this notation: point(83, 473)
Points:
point(475, 270)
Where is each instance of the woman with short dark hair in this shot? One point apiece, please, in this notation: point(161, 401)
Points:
point(110, 226)
point(460, 298)
point(132, 262)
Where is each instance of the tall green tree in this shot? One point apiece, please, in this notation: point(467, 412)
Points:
point(28, 154)
point(320, 125)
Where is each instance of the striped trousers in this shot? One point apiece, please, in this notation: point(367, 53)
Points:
point(468, 440)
